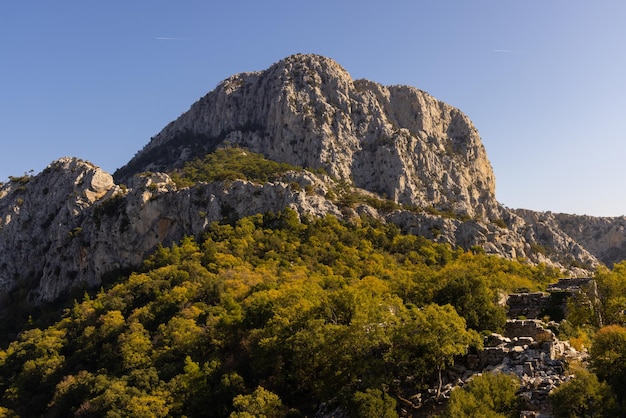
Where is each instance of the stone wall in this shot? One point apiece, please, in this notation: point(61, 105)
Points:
point(533, 305)
point(532, 328)
point(529, 305)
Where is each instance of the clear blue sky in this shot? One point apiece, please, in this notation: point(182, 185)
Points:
point(544, 81)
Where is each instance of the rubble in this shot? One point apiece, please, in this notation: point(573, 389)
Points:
point(527, 349)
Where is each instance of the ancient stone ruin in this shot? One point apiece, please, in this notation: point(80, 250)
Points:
point(528, 348)
point(553, 303)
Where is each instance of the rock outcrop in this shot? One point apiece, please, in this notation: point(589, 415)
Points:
point(605, 238)
point(39, 219)
point(535, 355)
point(68, 226)
point(306, 110)
point(71, 224)
point(509, 236)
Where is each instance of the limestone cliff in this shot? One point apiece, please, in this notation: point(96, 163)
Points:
point(307, 111)
point(604, 237)
point(71, 224)
point(39, 219)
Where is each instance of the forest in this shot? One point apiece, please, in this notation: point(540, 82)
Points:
point(276, 315)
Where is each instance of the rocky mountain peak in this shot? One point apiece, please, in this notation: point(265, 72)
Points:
point(39, 215)
point(306, 110)
point(397, 153)
point(68, 186)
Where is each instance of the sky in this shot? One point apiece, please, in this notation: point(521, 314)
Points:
point(544, 81)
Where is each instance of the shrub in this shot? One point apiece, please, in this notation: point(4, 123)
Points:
point(583, 396)
point(230, 164)
point(499, 222)
point(487, 395)
point(373, 403)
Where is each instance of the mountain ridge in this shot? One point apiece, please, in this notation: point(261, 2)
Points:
point(73, 223)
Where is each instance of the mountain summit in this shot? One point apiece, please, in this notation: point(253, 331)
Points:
point(306, 110)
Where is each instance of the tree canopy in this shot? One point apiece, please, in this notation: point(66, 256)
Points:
point(490, 395)
point(271, 314)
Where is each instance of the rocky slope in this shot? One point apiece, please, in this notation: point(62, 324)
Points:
point(69, 225)
point(307, 111)
point(73, 223)
point(605, 238)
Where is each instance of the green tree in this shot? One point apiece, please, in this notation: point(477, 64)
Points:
point(608, 358)
point(467, 289)
point(373, 403)
point(583, 396)
point(86, 394)
point(33, 364)
point(230, 164)
point(488, 395)
point(7, 413)
point(612, 293)
point(431, 337)
point(135, 346)
point(259, 404)
point(118, 399)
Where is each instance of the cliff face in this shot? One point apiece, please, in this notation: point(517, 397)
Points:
point(39, 216)
point(307, 111)
point(71, 224)
point(605, 238)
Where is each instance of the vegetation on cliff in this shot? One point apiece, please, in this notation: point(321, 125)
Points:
point(231, 163)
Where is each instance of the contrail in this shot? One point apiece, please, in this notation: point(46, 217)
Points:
point(171, 38)
point(505, 51)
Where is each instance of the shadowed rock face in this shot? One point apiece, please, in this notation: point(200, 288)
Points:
point(71, 224)
point(307, 111)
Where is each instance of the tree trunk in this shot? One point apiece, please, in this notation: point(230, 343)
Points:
point(439, 369)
